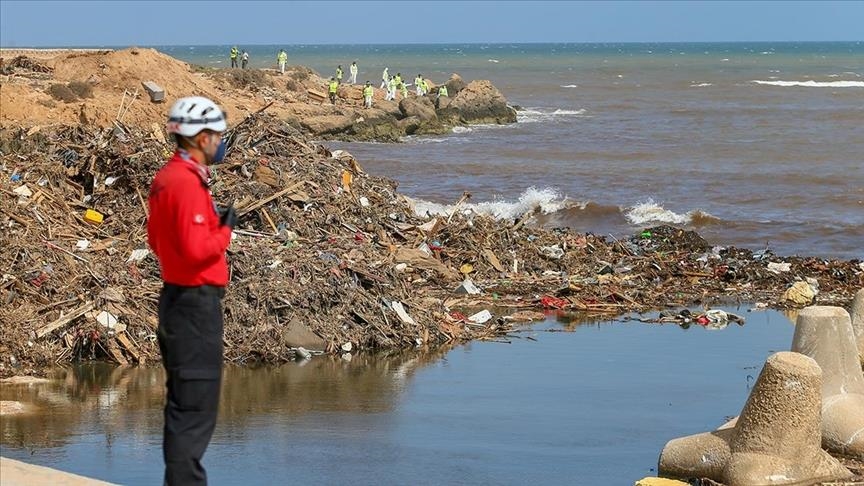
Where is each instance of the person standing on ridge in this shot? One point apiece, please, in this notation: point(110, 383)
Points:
point(368, 93)
point(418, 85)
point(391, 89)
point(425, 86)
point(353, 70)
point(442, 91)
point(385, 78)
point(189, 238)
point(282, 59)
point(234, 53)
point(398, 84)
point(333, 89)
point(245, 59)
point(403, 88)
point(339, 73)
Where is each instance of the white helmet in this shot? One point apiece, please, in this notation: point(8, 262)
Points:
point(190, 115)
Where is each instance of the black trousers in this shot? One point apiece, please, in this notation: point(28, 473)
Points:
point(190, 339)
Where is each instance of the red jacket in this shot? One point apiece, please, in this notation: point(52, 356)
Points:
point(183, 229)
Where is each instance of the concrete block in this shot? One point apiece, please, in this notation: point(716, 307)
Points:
point(858, 322)
point(775, 441)
point(825, 334)
point(157, 94)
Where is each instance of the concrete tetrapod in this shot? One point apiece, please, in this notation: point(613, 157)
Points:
point(858, 322)
point(825, 334)
point(775, 441)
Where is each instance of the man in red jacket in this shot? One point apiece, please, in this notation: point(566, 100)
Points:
point(190, 239)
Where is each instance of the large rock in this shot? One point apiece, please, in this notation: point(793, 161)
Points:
point(420, 107)
point(455, 84)
point(775, 441)
point(327, 124)
point(825, 334)
point(479, 103)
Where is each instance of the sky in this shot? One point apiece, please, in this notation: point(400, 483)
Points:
point(30, 23)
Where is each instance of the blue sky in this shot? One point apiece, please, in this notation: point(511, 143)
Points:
point(122, 23)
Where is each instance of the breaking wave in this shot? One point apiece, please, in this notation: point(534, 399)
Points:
point(550, 207)
point(650, 212)
point(569, 85)
point(701, 85)
point(534, 115)
point(813, 84)
point(544, 201)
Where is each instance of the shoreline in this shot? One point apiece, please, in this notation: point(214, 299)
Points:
point(328, 257)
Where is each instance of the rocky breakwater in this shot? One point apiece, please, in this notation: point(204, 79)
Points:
point(475, 103)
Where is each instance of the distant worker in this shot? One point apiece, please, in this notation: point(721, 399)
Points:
point(282, 59)
point(334, 88)
point(391, 88)
point(368, 93)
point(339, 73)
point(403, 88)
point(442, 91)
point(234, 52)
point(353, 71)
point(418, 85)
point(398, 78)
point(189, 237)
point(245, 59)
point(385, 78)
point(425, 86)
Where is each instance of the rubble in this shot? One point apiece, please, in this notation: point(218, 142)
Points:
point(322, 246)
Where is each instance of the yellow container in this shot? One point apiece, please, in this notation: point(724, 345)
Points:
point(93, 216)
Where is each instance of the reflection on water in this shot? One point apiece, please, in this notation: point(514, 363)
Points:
point(586, 403)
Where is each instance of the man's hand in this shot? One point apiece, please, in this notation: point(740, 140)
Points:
point(228, 216)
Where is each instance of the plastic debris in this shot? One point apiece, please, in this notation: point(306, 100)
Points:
point(467, 287)
point(481, 317)
point(779, 268)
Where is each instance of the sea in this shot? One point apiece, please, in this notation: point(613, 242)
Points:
point(755, 145)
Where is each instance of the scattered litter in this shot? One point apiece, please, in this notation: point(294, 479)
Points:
point(400, 311)
point(23, 191)
point(481, 317)
point(779, 267)
point(800, 293)
point(138, 255)
point(467, 287)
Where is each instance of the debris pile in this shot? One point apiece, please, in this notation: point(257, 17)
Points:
point(323, 250)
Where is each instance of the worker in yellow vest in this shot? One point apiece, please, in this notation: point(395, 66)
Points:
point(403, 88)
point(442, 91)
point(282, 59)
point(334, 87)
point(425, 86)
point(339, 74)
point(368, 93)
point(234, 53)
point(418, 85)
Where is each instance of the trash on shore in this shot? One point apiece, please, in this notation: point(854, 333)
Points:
point(322, 243)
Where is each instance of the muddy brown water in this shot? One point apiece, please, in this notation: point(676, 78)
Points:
point(586, 403)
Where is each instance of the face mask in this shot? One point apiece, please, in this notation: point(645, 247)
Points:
point(219, 157)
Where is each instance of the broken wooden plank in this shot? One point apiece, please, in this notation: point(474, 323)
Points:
point(493, 260)
point(124, 341)
point(292, 188)
point(65, 320)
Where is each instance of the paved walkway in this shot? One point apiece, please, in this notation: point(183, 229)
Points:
point(17, 473)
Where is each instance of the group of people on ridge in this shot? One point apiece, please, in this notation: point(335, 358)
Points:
point(392, 84)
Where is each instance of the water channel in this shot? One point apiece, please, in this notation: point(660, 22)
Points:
point(565, 402)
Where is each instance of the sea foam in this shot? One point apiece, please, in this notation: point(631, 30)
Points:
point(649, 212)
point(813, 84)
point(545, 201)
point(534, 115)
